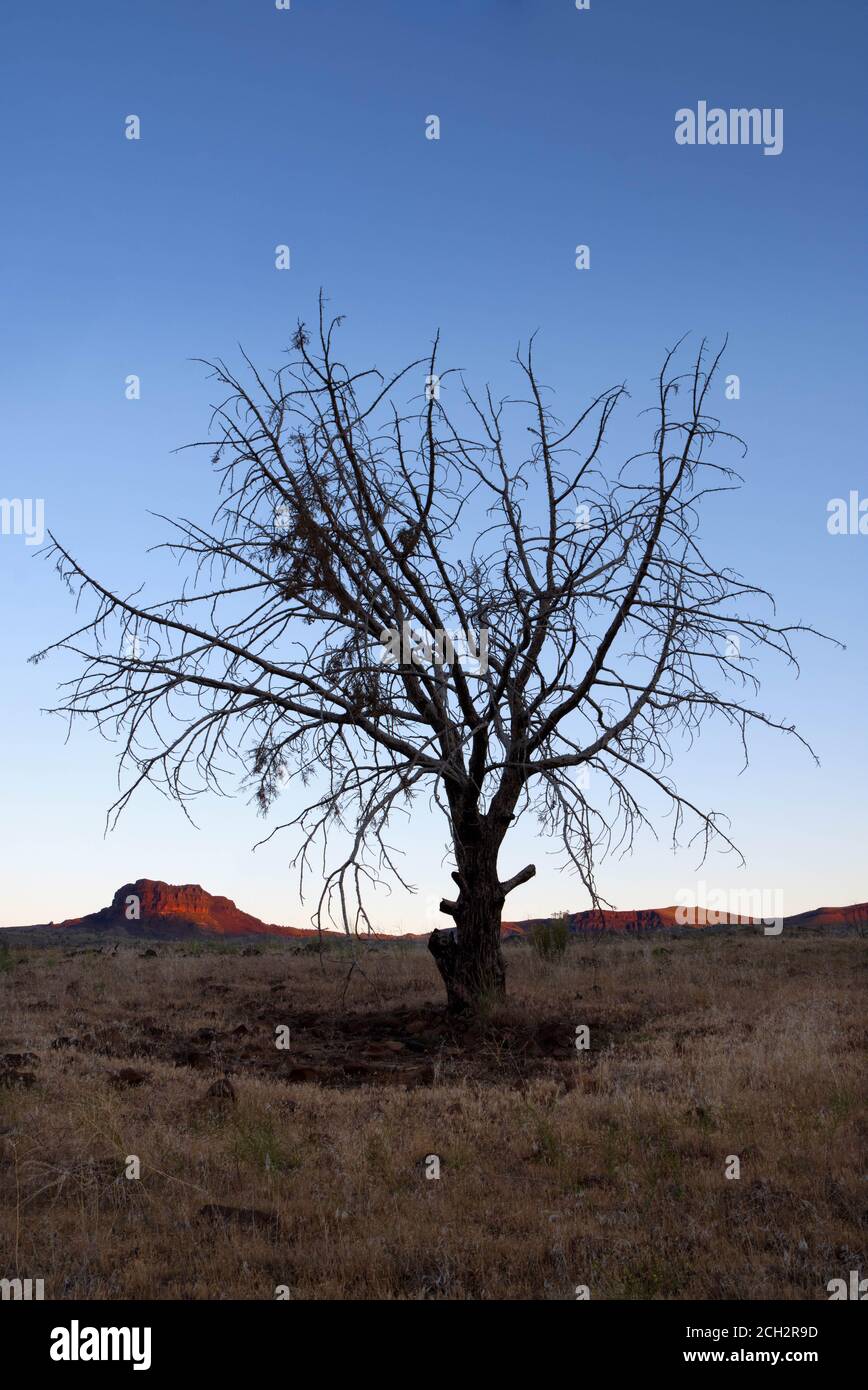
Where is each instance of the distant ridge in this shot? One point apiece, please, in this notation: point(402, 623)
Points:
point(640, 920)
point(148, 908)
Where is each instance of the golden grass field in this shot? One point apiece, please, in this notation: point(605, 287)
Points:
point(605, 1169)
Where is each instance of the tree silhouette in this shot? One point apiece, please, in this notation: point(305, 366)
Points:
point(350, 536)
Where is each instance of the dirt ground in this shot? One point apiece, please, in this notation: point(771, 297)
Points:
point(219, 1123)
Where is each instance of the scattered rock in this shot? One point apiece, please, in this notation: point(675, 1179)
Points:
point(112, 1039)
point(190, 1057)
point(245, 1216)
point(129, 1076)
point(20, 1059)
point(10, 1079)
point(306, 1074)
point(383, 1049)
point(554, 1038)
point(221, 1091)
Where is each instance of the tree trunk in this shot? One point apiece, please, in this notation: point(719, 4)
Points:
point(468, 956)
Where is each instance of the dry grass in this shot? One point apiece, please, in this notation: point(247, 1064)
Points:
point(605, 1169)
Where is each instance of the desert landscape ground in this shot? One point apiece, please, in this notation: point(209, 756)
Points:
point(268, 1171)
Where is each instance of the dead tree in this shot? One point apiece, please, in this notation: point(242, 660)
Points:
point(350, 536)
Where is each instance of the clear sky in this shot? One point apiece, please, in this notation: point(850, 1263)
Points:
point(307, 127)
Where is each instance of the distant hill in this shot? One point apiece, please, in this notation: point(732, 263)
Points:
point(160, 911)
point(152, 910)
point(652, 919)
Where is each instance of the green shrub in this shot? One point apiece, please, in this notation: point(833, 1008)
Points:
point(256, 1143)
point(549, 939)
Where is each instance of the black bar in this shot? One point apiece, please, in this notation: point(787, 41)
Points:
point(243, 1338)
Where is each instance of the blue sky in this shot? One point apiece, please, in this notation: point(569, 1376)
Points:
point(307, 127)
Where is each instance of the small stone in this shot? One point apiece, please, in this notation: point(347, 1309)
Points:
point(129, 1076)
point(13, 1079)
point(222, 1091)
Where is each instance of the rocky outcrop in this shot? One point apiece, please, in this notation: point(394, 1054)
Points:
point(173, 911)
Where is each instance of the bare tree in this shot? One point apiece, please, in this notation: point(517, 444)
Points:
point(349, 537)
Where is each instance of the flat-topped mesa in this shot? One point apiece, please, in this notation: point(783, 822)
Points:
point(149, 906)
point(189, 902)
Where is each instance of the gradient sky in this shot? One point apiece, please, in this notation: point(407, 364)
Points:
point(307, 127)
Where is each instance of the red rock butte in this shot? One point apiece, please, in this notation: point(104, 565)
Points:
point(151, 907)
